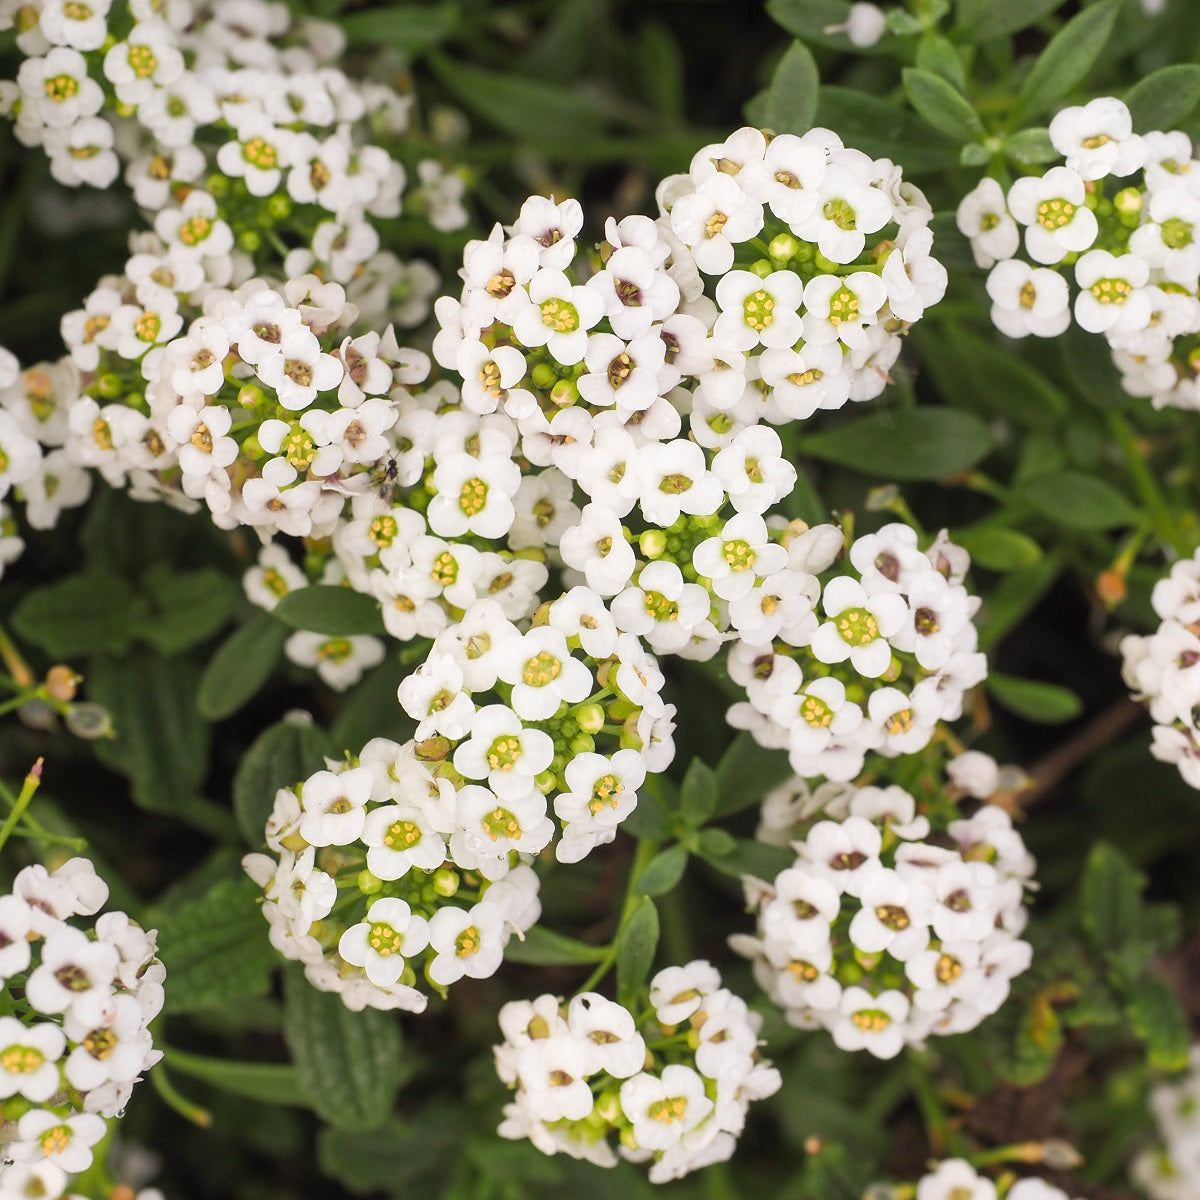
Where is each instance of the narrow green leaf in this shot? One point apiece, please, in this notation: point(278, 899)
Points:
point(998, 549)
point(331, 610)
point(1110, 899)
point(1157, 1018)
point(904, 444)
point(241, 665)
point(161, 743)
point(662, 872)
point(283, 755)
point(525, 108)
point(89, 613)
point(411, 27)
point(1078, 501)
point(984, 20)
point(791, 102)
point(746, 773)
point(347, 1063)
point(1066, 60)
point(942, 105)
point(1031, 147)
point(215, 948)
point(660, 63)
point(747, 857)
point(1165, 98)
point(1045, 703)
point(884, 130)
point(636, 947)
point(268, 1083)
point(699, 793)
point(938, 55)
point(542, 947)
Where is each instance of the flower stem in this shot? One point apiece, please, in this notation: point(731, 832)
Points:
point(1147, 486)
point(174, 1099)
point(937, 1125)
point(22, 802)
point(646, 850)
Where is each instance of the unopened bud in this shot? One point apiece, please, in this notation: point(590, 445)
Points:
point(368, 883)
point(1111, 587)
point(564, 393)
point(783, 247)
point(433, 749)
point(62, 683)
point(762, 267)
point(445, 881)
point(590, 718)
point(249, 241)
point(652, 543)
point(109, 385)
point(1128, 202)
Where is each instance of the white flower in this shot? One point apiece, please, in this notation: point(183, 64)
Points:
point(146, 60)
point(258, 155)
point(1097, 139)
point(838, 308)
point(398, 838)
point(543, 674)
point(504, 752)
point(678, 992)
point(57, 88)
point(983, 217)
point(874, 1023)
point(1112, 295)
point(662, 607)
point(555, 313)
point(759, 311)
point(597, 546)
point(82, 26)
point(552, 227)
point(712, 219)
point(339, 661)
point(955, 1179)
point(29, 1057)
point(787, 178)
point(609, 1034)
point(1028, 300)
point(297, 368)
point(664, 1108)
point(674, 478)
point(602, 792)
point(474, 495)
point(858, 627)
point(635, 292)
point(272, 578)
point(380, 944)
point(741, 554)
point(335, 807)
point(73, 971)
point(467, 942)
point(849, 208)
point(65, 1141)
point(552, 1071)
point(1052, 208)
point(753, 471)
point(201, 435)
point(894, 916)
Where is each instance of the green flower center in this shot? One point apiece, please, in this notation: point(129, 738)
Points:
point(384, 940)
point(1111, 291)
point(856, 626)
point(542, 669)
point(660, 608)
point(739, 555)
point(335, 650)
point(1054, 214)
point(1176, 233)
point(560, 315)
point(668, 1111)
point(402, 835)
point(142, 61)
point(606, 793)
point(758, 310)
point(258, 152)
point(21, 1060)
point(473, 497)
point(843, 306)
point(60, 88)
point(503, 754)
point(841, 213)
point(816, 712)
point(383, 530)
point(500, 823)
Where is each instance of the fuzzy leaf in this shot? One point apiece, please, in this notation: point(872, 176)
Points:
point(791, 101)
point(241, 665)
point(636, 947)
point(1045, 703)
point(542, 947)
point(1164, 98)
point(1066, 60)
point(89, 613)
point(330, 610)
point(942, 105)
point(662, 872)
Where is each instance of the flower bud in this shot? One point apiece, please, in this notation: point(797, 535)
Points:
point(564, 393)
point(446, 882)
point(109, 386)
point(369, 884)
point(652, 543)
point(783, 247)
point(590, 717)
point(90, 721)
point(433, 749)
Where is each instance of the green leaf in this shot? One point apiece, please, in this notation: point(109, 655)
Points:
point(1090, 368)
point(1045, 703)
point(883, 130)
point(1164, 98)
point(1157, 1018)
point(746, 857)
point(637, 943)
point(89, 613)
point(331, 610)
point(984, 20)
point(215, 948)
point(746, 773)
point(942, 105)
point(404, 1158)
point(1066, 60)
point(810, 19)
point(904, 444)
point(662, 872)
point(347, 1063)
point(522, 107)
point(791, 101)
point(1031, 147)
point(699, 794)
point(542, 947)
point(161, 743)
point(411, 27)
point(281, 756)
point(268, 1083)
point(938, 55)
point(241, 665)
point(1110, 898)
point(185, 606)
point(660, 63)
point(1078, 501)
point(998, 549)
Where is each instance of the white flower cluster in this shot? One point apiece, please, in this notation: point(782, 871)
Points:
point(1163, 669)
point(82, 1039)
point(867, 661)
point(1171, 1171)
point(234, 93)
point(893, 924)
point(957, 1179)
point(674, 1086)
point(1131, 246)
point(567, 714)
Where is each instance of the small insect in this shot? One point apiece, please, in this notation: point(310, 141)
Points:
point(387, 476)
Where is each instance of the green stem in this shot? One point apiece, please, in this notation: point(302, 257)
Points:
point(646, 850)
point(1147, 485)
point(22, 803)
point(174, 1099)
point(937, 1125)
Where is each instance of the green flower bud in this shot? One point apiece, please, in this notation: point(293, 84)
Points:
point(590, 717)
point(249, 241)
point(783, 247)
point(762, 267)
point(544, 376)
point(446, 882)
point(652, 543)
point(109, 386)
point(369, 884)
